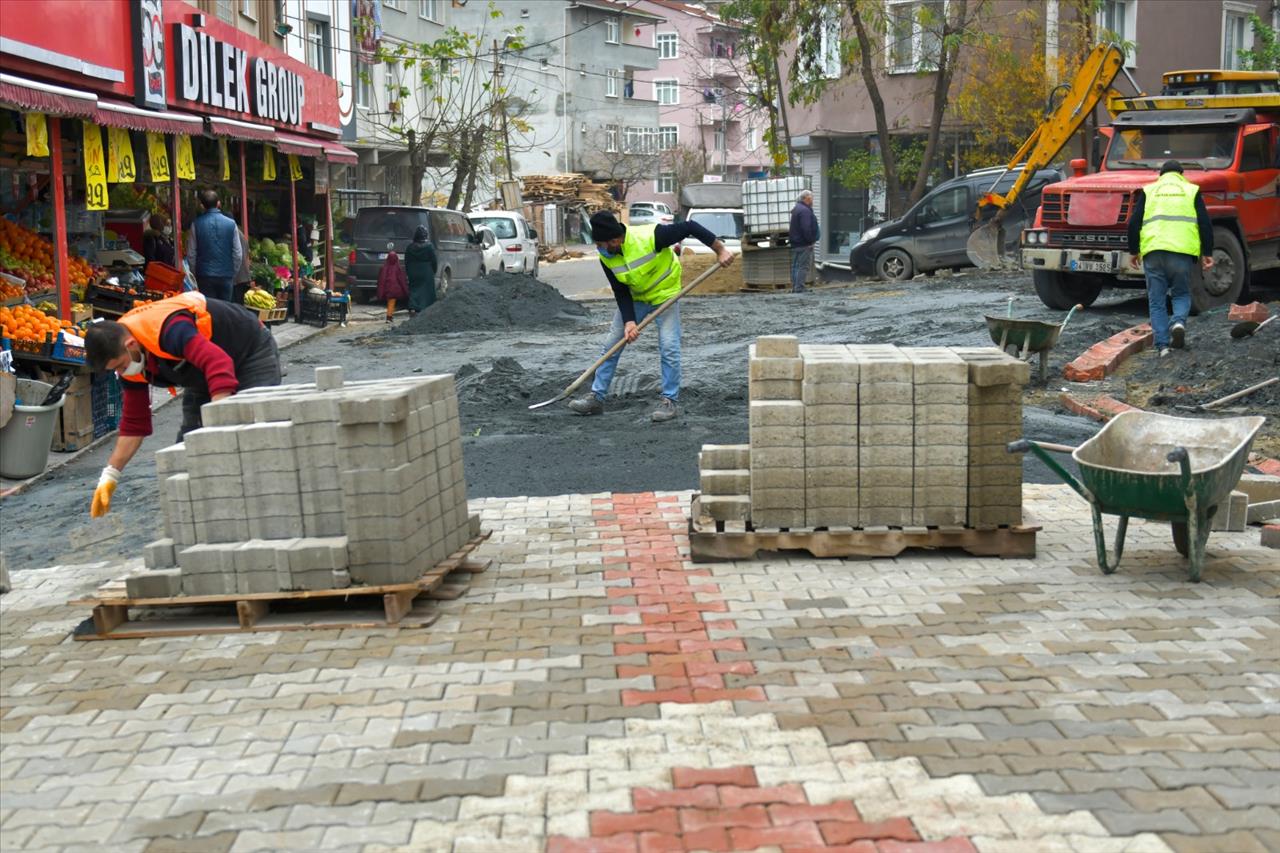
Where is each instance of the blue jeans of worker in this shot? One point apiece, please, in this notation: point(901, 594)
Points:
point(668, 324)
point(801, 261)
point(216, 287)
point(1168, 273)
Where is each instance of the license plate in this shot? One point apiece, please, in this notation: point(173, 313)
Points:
point(382, 256)
point(1091, 266)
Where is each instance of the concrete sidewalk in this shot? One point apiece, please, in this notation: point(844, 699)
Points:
point(596, 691)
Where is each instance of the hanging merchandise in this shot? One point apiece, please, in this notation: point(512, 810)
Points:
point(224, 159)
point(120, 165)
point(157, 156)
point(268, 163)
point(295, 168)
point(186, 162)
point(95, 168)
point(37, 135)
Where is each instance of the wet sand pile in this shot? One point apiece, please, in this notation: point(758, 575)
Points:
point(497, 301)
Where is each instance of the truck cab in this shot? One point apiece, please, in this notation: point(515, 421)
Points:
point(1228, 145)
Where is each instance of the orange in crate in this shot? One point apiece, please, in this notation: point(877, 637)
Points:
point(163, 278)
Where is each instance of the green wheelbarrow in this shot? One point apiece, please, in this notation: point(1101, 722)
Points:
point(1157, 467)
point(1027, 336)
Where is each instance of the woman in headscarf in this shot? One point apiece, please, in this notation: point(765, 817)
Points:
point(420, 263)
point(392, 283)
point(157, 240)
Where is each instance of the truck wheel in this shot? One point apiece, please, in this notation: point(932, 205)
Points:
point(894, 265)
point(446, 280)
point(1060, 291)
point(1223, 284)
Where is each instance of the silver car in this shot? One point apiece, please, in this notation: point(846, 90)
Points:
point(649, 213)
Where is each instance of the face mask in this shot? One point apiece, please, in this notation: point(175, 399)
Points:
point(135, 367)
point(605, 252)
point(168, 229)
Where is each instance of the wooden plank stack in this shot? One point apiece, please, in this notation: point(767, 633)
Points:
point(569, 188)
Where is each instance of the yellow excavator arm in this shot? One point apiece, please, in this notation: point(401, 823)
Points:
point(1090, 87)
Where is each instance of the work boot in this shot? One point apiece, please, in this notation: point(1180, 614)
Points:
point(1178, 333)
point(1164, 352)
point(666, 411)
point(587, 404)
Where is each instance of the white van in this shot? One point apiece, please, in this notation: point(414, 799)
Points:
point(724, 222)
point(518, 240)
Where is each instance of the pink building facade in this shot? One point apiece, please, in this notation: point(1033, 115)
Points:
point(704, 102)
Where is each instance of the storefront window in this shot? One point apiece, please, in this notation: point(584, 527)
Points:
point(846, 209)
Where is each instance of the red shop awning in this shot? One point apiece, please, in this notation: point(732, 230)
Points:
point(335, 153)
point(113, 114)
point(233, 129)
point(287, 143)
point(45, 98)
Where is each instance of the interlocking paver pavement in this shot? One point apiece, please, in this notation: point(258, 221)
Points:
point(596, 691)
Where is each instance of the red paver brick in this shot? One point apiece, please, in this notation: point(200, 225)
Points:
point(731, 645)
point(855, 847)
point(749, 817)
point(691, 777)
point(670, 670)
point(1265, 465)
point(792, 833)
point(713, 838)
point(631, 698)
point(1102, 359)
point(627, 843)
point(613, 823)
point(658, 842)
point(700, 797)
point(733, 795)
point(950, 845)
point(843, 832)
point(785, 813)
point(1254, 311)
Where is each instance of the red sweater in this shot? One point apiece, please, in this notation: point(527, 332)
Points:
point(179, 336)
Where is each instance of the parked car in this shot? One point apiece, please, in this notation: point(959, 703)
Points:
point(457, 245)
point(518, 240)
point(933, 233)
point(724, 222)
point(650, 213)
point(490, 250)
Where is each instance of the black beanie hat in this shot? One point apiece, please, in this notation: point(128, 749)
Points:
point(605, 226)
point(1171, 166)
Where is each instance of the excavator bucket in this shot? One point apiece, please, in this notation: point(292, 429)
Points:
point(985, 247)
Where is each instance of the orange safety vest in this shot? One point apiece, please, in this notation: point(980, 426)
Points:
point(147, 321)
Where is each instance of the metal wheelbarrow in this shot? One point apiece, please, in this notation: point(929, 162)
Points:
point(1030, 336)
point(1157, 467)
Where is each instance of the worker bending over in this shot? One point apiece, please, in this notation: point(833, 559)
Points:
point(642, 265)
point(208, 347)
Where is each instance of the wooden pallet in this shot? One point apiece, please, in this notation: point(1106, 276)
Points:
point(756, 241)
point(711, 540)
point(385, 606)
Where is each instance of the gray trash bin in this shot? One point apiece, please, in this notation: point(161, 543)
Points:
point(25, 440)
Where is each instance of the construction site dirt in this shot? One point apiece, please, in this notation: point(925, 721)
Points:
point(510, 450)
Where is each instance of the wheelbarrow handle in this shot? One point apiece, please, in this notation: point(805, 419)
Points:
point(1180, 456)
point(1041, 450)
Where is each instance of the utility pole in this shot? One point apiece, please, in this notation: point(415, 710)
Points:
point(724, 133)
point(497, 84)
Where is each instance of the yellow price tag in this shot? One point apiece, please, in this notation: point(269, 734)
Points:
point(37, 135)
point(186, 162)
point(295, 168)
point(121, 168)
point(95, 168)
point(157, 156)
point(225, 160)
point(268, 163)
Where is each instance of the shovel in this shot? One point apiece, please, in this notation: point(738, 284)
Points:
point(1248, 327)
point(59, 389)
point(590, 371)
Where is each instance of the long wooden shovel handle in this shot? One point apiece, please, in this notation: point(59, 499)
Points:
point(1222, 401)
point(613, 350)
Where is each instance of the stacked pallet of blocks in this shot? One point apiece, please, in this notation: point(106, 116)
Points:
point(872, 436)
point(305, 487)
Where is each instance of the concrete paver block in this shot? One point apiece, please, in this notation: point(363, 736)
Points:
point(328, 378)
point(1232, 514)
point(731, 482)
point(1262, 512)
point(725, 456)
point(1259, 487)
point(1270, 536)
point(777, 346)
point(159, 554)
point(774, 389)
point(727, 507)
point(158, 583)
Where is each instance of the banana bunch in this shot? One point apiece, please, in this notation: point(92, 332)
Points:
point(259, 299)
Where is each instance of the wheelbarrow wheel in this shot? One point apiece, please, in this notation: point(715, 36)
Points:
point(1181, 537)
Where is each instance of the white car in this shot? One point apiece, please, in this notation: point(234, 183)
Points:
point(490, 250)
point(649, 213)
point(724, 222)
point(518, 241)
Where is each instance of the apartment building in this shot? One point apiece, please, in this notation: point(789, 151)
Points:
point(706, 99)
point(1165, 35)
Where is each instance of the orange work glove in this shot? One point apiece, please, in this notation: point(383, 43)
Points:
point(102, 494)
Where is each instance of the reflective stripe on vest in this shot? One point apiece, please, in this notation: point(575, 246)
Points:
point(1169, 216)
point(652, 276)
point(145, 323)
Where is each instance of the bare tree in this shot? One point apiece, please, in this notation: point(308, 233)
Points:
point(620, 158)
point(686, 164)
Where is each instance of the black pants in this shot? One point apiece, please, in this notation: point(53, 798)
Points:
point(259, 369)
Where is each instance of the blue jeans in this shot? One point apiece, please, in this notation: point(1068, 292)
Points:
point(801, 261)
point(1167, 272)
point(216, 287)
point(668, 324)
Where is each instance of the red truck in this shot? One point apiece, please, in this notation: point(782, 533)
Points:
point(1224, 127)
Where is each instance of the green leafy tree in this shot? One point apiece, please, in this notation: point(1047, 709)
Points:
point(766, 32)
point(1265, 54)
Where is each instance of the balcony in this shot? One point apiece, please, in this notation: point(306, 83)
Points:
point(627, 56)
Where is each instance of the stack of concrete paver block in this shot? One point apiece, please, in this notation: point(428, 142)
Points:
point(776, 422)
point(940, 451)
point(725, 480)
point(996, 380)
point(305, 487)
point(886, 436)
point(830, 394)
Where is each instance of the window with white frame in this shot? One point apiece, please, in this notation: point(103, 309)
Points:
point(1120, 18)
point(666, 182)
point(429, 9)
point(611, 138)
point(393, 4)
point(717, 141)
point(249, 8)
point(364, 84)
point(225, 10)
point(668, 45)
point(1237, 33)
point(753, 137)
point(829, 44)
point(611, 83)
point(915, 34)
point(639, 140)
point(319, 47)
point(668, 137)
point(612, 30)
point(666, 92)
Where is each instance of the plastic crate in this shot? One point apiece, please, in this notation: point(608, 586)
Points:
point(339, 307)
point(63, 351)
point(162, 278)
point(38, 349)
point(315, 311)
point(106, 402)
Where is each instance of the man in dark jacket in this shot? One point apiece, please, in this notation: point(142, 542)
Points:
point(804, 234)
point(214, 250)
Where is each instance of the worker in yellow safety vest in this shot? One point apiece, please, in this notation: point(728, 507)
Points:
point(1169, 228)
point(642, 264)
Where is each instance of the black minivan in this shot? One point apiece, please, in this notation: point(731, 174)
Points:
point(933, 233)
point(457, 247)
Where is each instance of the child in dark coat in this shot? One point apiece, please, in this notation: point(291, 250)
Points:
point(393, 284)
